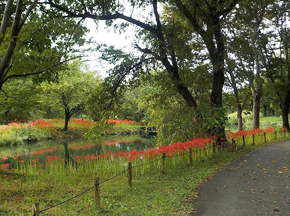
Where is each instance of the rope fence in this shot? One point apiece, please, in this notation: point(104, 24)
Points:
point(255, 138)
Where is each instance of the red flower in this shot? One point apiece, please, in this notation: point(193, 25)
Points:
point(35, 161)
point(5, 165)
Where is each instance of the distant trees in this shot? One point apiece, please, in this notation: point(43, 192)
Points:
point(70, 91)
point(191, 50)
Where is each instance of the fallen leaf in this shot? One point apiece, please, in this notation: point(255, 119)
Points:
point(280, 172)
point(274, 161)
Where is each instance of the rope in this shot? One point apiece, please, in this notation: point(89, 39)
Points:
point(146, 163)
point(82, 192)
point(113, 177)
point(109, 180)
point(67, 200)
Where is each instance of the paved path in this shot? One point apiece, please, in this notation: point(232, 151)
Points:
point(257, 184)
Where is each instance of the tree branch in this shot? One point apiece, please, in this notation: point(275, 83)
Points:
point(127, 72)
point(30, 8)
point(106, 17)
point(38, 72)
point(5, 20)
point(226, 11)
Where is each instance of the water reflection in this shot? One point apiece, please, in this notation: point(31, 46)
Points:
point(69, 150)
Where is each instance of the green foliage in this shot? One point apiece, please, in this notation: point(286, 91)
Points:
point(173, 119)
point(44, 43)
point(20, 101)
point(70, 91)
point(173, 192)
point(269, 121)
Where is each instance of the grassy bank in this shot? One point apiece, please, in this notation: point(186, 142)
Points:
point(18, 133)
point(268, 121)
point(152, 193)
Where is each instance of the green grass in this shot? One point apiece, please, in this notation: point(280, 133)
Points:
point(269, 121)
point(151, 193)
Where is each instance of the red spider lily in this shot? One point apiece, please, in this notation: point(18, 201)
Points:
point(117, 142)
point(79, 157)
point(245, 133)
point(269, 130)
point(35, 160)
point(80, 122)
point(49, 157)
point(5, 165)
point(169, 150)
point(21, 161)
point(4, 158)
point(87, 146)
point(41, 152)
point(15, 124)
point(114, 121)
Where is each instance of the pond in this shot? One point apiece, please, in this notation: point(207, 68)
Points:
point(71, 149)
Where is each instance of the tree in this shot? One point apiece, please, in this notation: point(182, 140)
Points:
point(162, 46)
point(34, 41)
point(21, 101)
point(70, 91)
point(251, 26)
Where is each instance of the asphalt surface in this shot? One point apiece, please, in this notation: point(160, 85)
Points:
point(257, 184)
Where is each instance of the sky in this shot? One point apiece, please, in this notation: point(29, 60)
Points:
point(103, 34)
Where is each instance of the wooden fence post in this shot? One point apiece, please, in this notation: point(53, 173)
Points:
point(275, 135)
point(130, 176)
point(265, 137)
point(214, 145)
point(244, 143)
point(35, 209)
point(284, 133)
point(163, 163)
point(234, 143)
point(253, 139)
point(190, 156)
point(97, 191)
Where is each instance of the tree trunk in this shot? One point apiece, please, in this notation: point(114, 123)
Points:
point(217, 57)
point(66, 154)
point(285, 111)
point(240, 117)
point(257, 95)
point(265, 110)
point(67, 117)
point(12, 44)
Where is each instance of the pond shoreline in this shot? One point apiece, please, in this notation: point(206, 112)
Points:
point(20, 136)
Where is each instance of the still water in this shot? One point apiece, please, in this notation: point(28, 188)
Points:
point(73, 148)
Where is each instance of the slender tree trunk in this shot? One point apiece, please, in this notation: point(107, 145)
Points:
point(265, 110)
point(240, 117)
point(66, 154)
point(67, 117)
point(285, 111)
